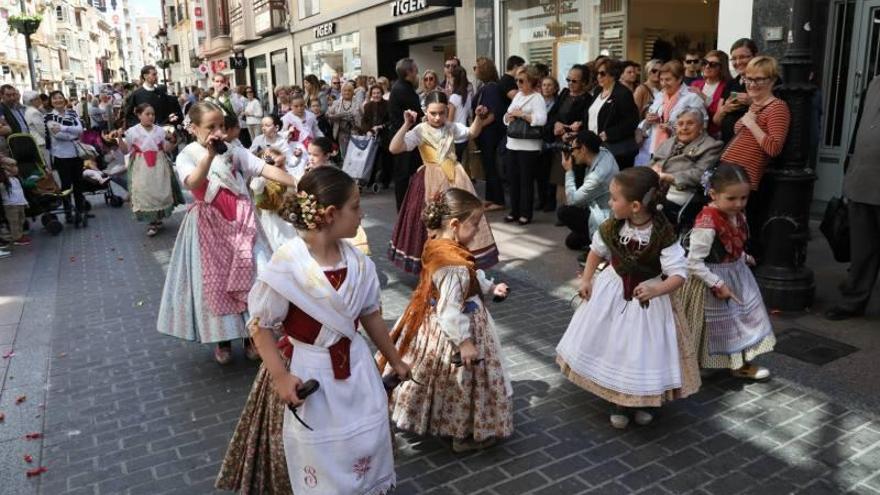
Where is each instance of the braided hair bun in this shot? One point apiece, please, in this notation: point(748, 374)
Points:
point(318, 190)
point(453, 203)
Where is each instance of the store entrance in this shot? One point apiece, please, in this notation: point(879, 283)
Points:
point(429, 41)
point(657, 26)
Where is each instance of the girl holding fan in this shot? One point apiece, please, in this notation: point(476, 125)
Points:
point(627, 342)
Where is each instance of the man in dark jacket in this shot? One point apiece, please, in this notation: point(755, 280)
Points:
point(166, 108)
point(404, 97)
point(11, 109)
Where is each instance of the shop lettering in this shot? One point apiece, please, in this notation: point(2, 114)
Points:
point(325, 30)
point(403, 7)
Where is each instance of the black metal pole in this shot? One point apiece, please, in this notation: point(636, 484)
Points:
point(785, 282)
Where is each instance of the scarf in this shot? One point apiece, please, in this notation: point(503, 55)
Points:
point(668, 104)
point(438, 253)
point(634, 264)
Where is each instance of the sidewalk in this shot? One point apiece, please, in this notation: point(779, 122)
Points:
point(132, 411)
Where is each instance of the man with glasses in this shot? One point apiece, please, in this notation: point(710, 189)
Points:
point(335, 87)
point(693, 67)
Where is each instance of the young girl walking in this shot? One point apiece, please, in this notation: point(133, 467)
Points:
point(447, 322)
point(721, 298)
point(315, 292)
point(152, 185)
point(212, 264)
point(435, 138)
point(627, 342)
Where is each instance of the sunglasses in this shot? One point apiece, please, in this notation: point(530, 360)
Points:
point(712, 65)
point(654, 71)
point(521, 80)
point(691, 61)
point(572, 81)
point(449, 66)
point(601, 73)
point(430, 78)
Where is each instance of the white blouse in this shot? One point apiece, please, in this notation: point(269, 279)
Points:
point(452, 282)
point(672, 258)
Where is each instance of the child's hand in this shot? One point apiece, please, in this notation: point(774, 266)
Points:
point(468, 353)
point(646, 291)
point(481, 111)
point(722, 292)
point(501, 290)
point(585, 289)
point(409, 117)
point(750, 260)
point(285, 386)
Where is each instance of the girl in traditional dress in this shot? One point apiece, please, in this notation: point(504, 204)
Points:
point(435, 138)
point(316, 291)
point(301, 118)
point(272, 137)
point(153, 187)
point(721, 298)
point(212, 264)
point(447, 317)
point(627, 342)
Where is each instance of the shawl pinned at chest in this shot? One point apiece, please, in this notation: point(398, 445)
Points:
point(438, 146)
point(438, 253)
point(730, 240)
point(633, 262)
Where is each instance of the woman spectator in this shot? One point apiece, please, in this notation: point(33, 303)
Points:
point(312, 91)
point(646, 92)
point(253, 113)
point(374, 122)
point(759, 135)
point(681, 162)
point(283, 106)
point(429, 83)
point(716, 74)
point(613, 115)
point(563, 122)
point(361, 89)
point(526, 111)
point(345, 116)
point(385, 84)
point(659, 122)
point(459, 106)
point(97, 114)
point(546, 192)
point(489, 96)
point(735, 97)
point(64, 129)
point(35, 119)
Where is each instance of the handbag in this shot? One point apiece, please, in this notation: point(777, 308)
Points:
point(835, 228)
point(520, 129)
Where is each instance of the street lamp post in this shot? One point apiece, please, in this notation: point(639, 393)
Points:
point(786, 283)
point(162, 38)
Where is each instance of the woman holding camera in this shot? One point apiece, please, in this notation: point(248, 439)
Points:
point(524, 119)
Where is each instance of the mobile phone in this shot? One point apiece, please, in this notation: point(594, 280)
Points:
point(219, 147)
point(734, 95)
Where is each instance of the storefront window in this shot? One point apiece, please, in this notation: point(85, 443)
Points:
point(260, 80)
point(280, 68)
point(338, 55)
point(308, 8)
point(484, 16)
point(559, 33)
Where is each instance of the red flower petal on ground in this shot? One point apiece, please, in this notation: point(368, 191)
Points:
point(21, 399)
point(33, 436)
point(36, 471)
point(9, 354)
point(28, 458)
point(2, 417)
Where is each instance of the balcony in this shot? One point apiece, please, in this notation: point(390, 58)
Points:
point(269, 16)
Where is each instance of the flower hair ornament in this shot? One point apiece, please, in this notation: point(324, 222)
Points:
point(311, 213)
point(435, 211)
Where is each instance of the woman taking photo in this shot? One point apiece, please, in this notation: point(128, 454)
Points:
point(735, 97)
point(64, 129)
point(524, 119)
point(613, 115)
point(716, 75)
point(659, 122)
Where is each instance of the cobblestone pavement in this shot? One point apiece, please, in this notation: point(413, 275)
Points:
point(128, 410)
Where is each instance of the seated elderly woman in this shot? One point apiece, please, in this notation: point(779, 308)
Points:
point(681, 162)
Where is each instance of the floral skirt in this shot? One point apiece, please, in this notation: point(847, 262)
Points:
point(451, 401)
point(255, 461)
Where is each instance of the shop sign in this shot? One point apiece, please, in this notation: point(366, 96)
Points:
point(325, 30)
point(403, 7)
point(218, 66)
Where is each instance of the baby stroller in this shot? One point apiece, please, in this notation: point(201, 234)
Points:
point(93, 142)
point(44, 197)
point(359, 159)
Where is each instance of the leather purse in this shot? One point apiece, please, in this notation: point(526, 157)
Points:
point(520, 129)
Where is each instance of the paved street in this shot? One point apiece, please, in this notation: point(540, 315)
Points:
point(123, 409)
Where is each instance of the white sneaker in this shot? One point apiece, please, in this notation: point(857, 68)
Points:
point(643, 417)
point(619, 421)
point(4, 253)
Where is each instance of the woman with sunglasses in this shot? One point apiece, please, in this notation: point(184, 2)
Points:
point(564, 120)
point(429, 83)
point(760, 136)
point(646, 92)
point(523, 153)
point(716, 75)
point(659, 122)
point(613, 115)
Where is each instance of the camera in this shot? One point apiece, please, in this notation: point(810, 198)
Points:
point(565, 148)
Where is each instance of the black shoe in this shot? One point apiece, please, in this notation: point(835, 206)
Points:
point(68, 217)
point(838, 313)
point(77, 220)
point(509, 219)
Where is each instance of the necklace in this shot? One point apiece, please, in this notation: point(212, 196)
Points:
point(350, 103)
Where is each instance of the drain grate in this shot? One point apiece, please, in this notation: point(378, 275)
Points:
point(811, 348)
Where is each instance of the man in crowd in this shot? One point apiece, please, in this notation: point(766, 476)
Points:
point(404, 97)
point(335, 87)
point(507, 82)
point(164, 106)
point(860, 186)
point(11, 108)
point(693, 67)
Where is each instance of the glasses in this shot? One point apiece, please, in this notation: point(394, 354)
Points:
point(757, 81)
point(691, 61)
point(601, 73)
point(336, 83)
point(450, 66)
point(712, 65)
point(522, 80)
point(572, 81)
point(430, 78)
